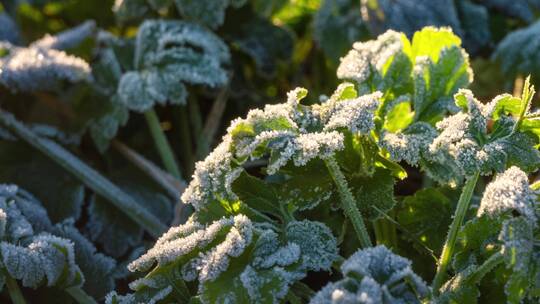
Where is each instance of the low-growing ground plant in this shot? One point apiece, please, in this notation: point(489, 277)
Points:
point(327, 171)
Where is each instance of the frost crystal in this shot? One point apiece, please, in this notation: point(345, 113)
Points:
point(374, 275)
point(509, 192)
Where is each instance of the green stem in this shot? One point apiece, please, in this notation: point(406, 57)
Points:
point(14, 290)
point(348, 202)
point(186, 142)
point(449, 245)
point(162, 145)
point(80, 296)
point(486, 267)
point(86, 174)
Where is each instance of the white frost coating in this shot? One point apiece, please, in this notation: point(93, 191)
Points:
point(354, 114)
point(409, 146)
point(208, 265)
point(66, 39)
point(359, 62)
point(371, 275)
point(46, 257)
point(253, 282)
point(213, 177)
point(284, 256)
point(31, 69)
point(509, 192)
point(319, 144)
point(216, 261)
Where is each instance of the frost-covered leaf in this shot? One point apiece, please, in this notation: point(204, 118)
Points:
point(44, 259)
point(258, 37)
point(374, 194)
point(418, 217)
point(518, 52)
point(411, 144)
point(232, 260)
point(518, 247)
point(96, 267)
point(409, 16)
point(337, 25)
point(466, 145)
point(429, 69)
point(374, 275)
point(167, 55)
point(31, 69)
point(287, 134)
point(58, 191)
point(509, 192)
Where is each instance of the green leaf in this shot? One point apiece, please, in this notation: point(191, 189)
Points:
point(256, 193)
point(305, 187)
point(374, 194)
point(398, 117)
point(517, 238)
point(427, 215)
point(96, 267)
point(167, 55)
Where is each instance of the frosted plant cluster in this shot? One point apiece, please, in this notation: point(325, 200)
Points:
point(264, 266)
point(509, 191)
point(31, 257)
point(286, 132)
point(167, 55)
point(374, 275)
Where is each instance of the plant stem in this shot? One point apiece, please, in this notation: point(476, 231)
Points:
point(486, 267)
point(186, 141)
point(86, 174)
point(162, 145)
point(449, 245)
point(348, 202)
point(169, 183)
point(212, 124)
point(14, 290)
point(78, 294)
